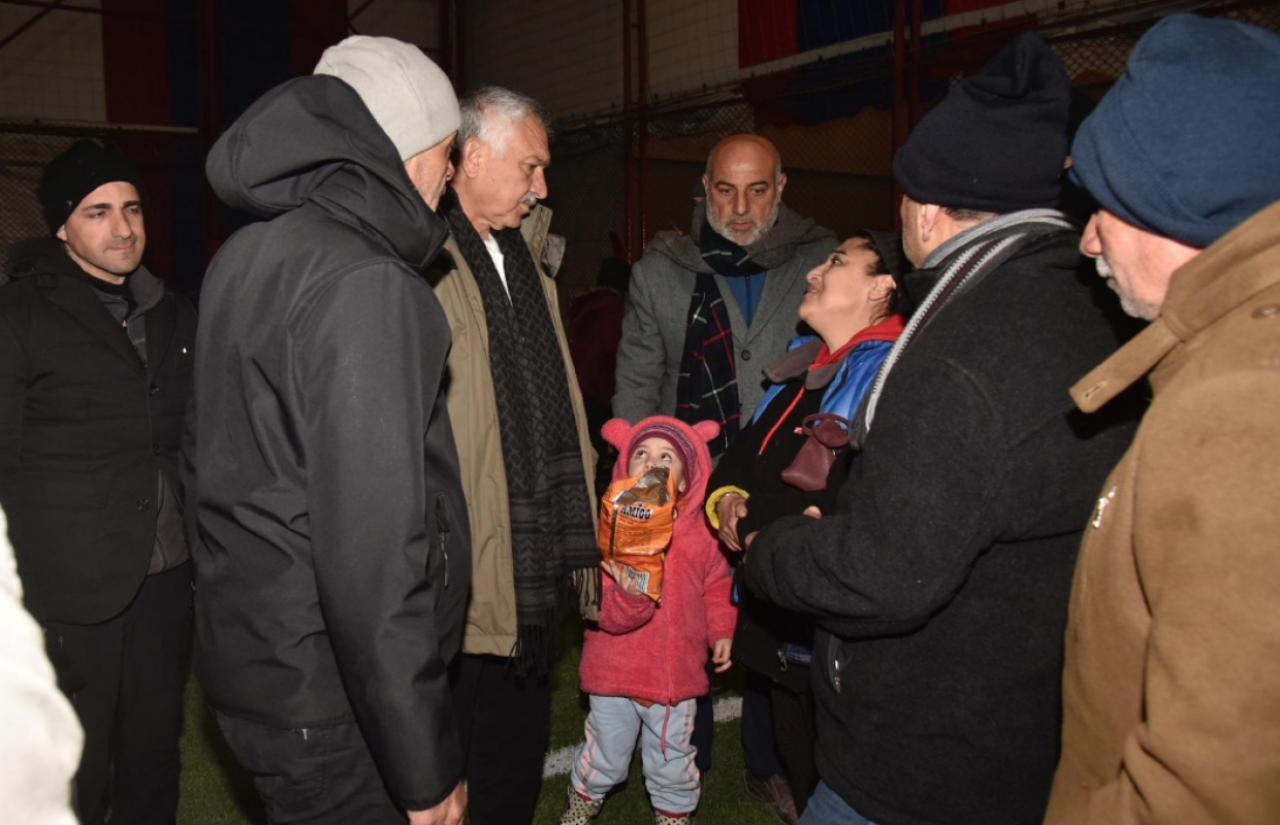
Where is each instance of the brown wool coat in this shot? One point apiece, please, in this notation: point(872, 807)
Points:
point(1171, 691)
point(473, 412)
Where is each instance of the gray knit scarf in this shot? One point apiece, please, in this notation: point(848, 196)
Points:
point(965, 259)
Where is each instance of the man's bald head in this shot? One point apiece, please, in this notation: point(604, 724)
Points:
point(735, 148)
point(744, 183)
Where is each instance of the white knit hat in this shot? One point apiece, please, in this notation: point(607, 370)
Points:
point(409, 96)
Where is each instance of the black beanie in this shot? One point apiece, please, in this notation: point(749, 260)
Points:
point(75, 173)
point(998, 140)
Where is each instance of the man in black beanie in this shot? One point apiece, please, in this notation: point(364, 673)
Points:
point(940, 580)
point(95, 365)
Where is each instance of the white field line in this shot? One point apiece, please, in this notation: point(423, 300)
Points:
point(559, 761)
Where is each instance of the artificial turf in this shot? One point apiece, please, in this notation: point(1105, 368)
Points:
point(216, 791)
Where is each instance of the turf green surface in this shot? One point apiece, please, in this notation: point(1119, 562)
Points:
point(215, 791)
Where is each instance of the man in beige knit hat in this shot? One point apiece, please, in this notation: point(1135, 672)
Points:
point(331, 536)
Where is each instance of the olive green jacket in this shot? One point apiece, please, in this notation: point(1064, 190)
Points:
point(473, 411)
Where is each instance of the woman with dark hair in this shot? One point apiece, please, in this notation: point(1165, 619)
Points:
point(794, 455)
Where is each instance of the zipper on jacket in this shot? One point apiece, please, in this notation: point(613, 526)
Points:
point(442, 534)
point(834, 652)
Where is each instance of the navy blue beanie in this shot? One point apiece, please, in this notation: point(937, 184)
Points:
point(1187, 143)
point(998, 140)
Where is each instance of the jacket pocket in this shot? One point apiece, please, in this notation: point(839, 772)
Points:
point(440, 552)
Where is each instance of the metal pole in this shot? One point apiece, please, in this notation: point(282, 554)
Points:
point(628, 132)
point(899, 70)
point(917, 58)
point(642, 138)
point(210, 127)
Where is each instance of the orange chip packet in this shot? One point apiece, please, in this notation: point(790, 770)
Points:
point(637, 519)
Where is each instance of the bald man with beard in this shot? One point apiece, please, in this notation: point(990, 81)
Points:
point(739, 271)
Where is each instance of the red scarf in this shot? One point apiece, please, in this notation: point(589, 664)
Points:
point(887, 330)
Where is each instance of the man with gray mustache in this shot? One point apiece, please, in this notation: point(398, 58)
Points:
point(522, 442)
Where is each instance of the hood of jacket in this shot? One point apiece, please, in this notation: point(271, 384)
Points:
point(311, 140)
point(774, 249)
point(622, 435)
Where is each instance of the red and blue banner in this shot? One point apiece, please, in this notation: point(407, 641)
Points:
point(197, 65)
point(770, 30)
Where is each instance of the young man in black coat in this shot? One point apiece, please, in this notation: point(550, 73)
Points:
point(940, 578)
point(95, 368)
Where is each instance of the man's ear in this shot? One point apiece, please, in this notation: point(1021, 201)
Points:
point(61, 234)
point(927, 217)
point(782, 182)
point(472, 157)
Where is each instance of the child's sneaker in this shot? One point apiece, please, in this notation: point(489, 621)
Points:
point(664, 818)
point(578, 810)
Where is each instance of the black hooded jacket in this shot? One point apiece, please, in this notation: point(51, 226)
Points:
point(330, 533)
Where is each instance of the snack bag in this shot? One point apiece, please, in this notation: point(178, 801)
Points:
point(637, 519)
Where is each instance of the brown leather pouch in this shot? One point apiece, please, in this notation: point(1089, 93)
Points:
point(828, 436)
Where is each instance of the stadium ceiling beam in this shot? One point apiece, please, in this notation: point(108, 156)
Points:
point(45, 8)
point(51, 5)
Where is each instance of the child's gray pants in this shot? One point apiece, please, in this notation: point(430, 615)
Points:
point(611, 730)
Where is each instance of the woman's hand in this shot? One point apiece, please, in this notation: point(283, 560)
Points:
point(618, 573)
point(720, 654)
point(729, 510)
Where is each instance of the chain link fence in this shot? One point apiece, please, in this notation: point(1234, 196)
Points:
point(832, 121)
point(169, 161)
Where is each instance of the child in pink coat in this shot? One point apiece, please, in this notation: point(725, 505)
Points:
point(646, 664)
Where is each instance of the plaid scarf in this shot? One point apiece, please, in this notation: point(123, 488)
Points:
point(552, 529)
point(707, 387)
